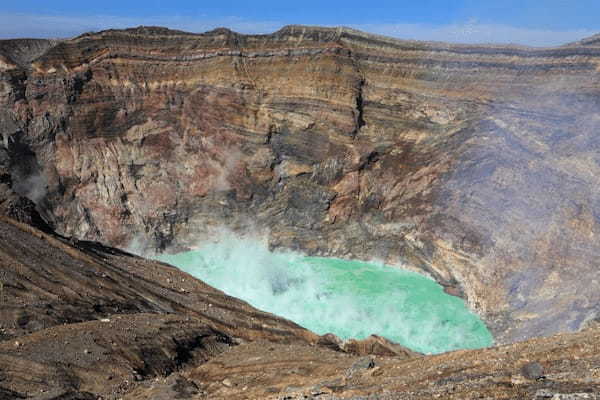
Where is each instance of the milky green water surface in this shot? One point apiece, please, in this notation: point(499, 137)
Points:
point(351, 299)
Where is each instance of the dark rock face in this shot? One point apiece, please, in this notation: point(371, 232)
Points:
point(13, 204)
point(477, 165)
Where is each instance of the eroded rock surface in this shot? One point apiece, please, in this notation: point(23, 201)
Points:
point(475, 164)
point(77, 317)
point(570, 368)
point(82, 321)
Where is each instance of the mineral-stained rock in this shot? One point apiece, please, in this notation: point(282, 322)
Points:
point(475, 164)
point(147, 340)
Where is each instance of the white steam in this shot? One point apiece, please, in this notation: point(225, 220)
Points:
point(349, 299)
point(34, 187)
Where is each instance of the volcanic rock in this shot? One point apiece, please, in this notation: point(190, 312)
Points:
point(533, 370)
point(159, 343)
point(474, 164)
point(364, 363)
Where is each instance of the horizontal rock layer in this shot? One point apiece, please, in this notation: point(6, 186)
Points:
point(475, 164)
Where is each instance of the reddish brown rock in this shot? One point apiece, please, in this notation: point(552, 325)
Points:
point(474, 164)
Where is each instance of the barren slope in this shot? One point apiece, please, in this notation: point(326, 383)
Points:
point(81, 321)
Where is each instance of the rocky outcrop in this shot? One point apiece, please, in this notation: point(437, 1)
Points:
point(474, 164)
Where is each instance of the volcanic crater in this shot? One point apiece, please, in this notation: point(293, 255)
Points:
point(476, 165)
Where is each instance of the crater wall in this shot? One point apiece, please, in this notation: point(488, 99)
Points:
point(475, 164)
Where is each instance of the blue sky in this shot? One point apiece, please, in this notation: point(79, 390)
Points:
point(538, 23)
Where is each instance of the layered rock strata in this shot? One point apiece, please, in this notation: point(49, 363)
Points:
point(475, 164)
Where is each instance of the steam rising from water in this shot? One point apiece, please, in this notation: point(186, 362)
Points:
point(349, 298)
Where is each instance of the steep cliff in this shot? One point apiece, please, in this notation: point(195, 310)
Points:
point(475, 164)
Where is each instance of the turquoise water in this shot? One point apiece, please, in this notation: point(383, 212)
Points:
point(351, 299)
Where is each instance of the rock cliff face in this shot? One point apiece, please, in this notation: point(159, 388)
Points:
point(476, 164)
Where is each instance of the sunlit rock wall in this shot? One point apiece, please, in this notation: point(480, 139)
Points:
point(476, 164)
